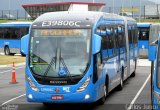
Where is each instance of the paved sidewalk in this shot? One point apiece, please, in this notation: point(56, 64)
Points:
point(143, 62)
point(10, 65)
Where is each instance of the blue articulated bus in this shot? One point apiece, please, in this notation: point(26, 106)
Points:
point(10, 36)
point(143, 34)
point(154, 57)
point(78, 57)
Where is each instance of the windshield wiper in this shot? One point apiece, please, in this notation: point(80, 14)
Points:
point(66, 68)
point(53, 61)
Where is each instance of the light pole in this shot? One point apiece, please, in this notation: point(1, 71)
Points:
point(131, 10)
point(140, 11)
point(113, 6)
point(130, 3)
point(9, 8)
point(9, 5)
point(122, 7)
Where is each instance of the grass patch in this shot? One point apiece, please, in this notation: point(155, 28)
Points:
point(10, 59)
point(5, 21)
point(149, 20)
point(143, 57)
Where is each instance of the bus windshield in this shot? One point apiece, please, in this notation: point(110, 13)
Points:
point(59, 52)
point(143, 33)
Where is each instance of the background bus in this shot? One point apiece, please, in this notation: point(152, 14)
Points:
point(10, 36)
point(154, 57)
point(78, 60)
point(143, 34)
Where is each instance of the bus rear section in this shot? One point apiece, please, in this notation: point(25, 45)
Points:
point(143, 42)
point(10, 36)
point(68, 61)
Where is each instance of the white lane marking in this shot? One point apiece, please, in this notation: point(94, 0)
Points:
point(138, 93)
point(11, 69)
point(12, 99)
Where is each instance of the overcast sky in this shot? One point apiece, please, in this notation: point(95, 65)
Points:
point(17, 4)
point(158, 1)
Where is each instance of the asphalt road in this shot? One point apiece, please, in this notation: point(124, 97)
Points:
point(133, 93)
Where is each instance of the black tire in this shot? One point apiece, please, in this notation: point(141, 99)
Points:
point(134, 73)
point(47, 104)
point(103, 99)
point(23, 55)
point(120, 86)
point(7, 50)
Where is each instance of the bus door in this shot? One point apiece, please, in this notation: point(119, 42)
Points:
point(122, 50)
point(135, 42)
point(116, 37)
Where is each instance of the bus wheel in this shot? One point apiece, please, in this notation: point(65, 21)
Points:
point(47, 104)
point(120, 86)
point(134, 73)
point(7, 50)
point(23, 55)
point(105, 89)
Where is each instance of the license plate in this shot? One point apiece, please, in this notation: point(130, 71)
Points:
point(57, 97)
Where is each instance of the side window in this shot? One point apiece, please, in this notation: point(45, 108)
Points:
point(135, 36)
point(7, 33)
point(116, 36)
point(130, 36)
point(98, 59)
point(15, 33)
point(110, 41)
point(107, 46)
point(101, 31)
point(122, 40)
point(24, 31)
point(1, 33)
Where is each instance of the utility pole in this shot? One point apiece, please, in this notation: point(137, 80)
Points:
point(140, 11)
point(122, 7)
point(113, 6)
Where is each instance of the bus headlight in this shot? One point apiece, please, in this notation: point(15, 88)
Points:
point(32, 85)
point(84, 85)
point(157, 95)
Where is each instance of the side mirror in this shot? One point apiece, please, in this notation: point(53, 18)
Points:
point(96, 45)
point(24, 44)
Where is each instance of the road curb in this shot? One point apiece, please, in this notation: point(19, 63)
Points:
point(10, 65)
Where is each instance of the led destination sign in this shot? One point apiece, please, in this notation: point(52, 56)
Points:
point(60, 32)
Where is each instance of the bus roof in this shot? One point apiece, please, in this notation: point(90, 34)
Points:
point(87, 18)
point(143, 25)
point(15, 24)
